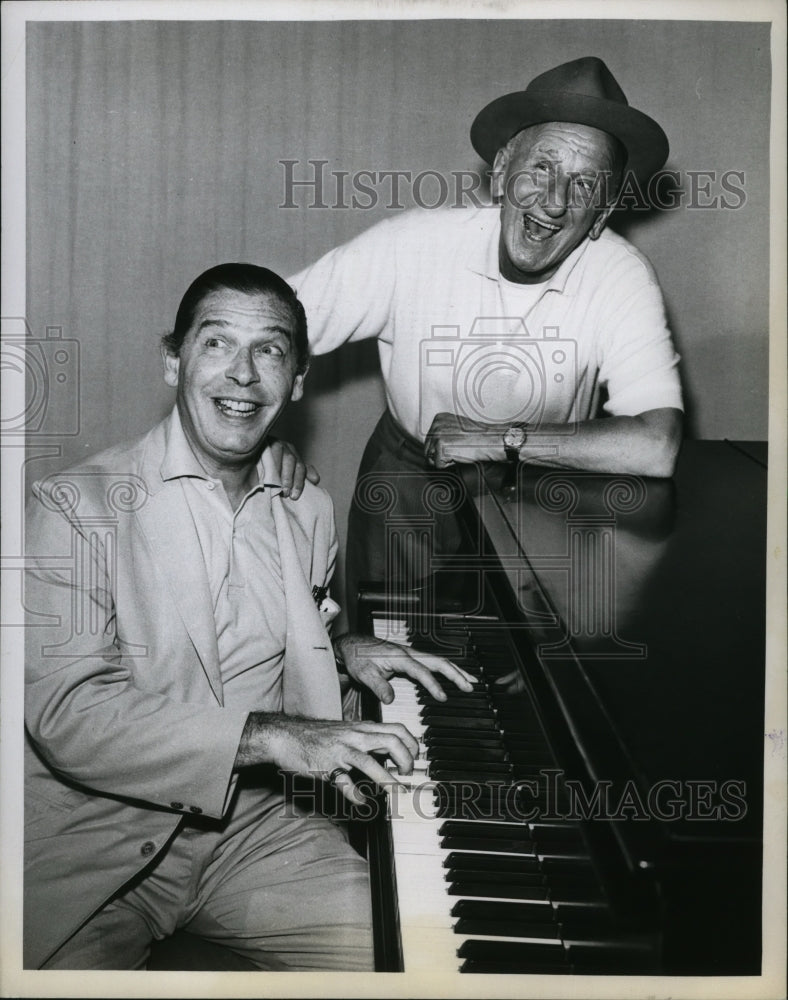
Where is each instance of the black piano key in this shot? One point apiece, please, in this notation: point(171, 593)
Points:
point(505, 831)
point(527, 741)
point(465, 753)
point(529, 771)
point(516, 713)
point(482, 809)
point(536, 757)
point(463, 740)
point(478, 686)
point(437, 722)
point(571, 870)
point(492, 862)
point(572, 922)
point(491, 889)
point(502, 928)
point(441, 710)
point(494, 789)
point(460, 875)
point(556, 832)
point(485, 844)
point(483, 909)
point(460, 699)
point(512, 956)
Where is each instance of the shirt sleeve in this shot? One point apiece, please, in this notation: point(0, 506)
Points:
point(347, 293)
point(638, 363)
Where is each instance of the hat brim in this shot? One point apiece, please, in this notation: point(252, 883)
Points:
point(646, 144)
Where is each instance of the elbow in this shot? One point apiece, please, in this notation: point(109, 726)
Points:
point(664, 439)
point(664, 465)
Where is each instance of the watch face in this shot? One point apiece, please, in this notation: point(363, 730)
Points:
point(514, 437)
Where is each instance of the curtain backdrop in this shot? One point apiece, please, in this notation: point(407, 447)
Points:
point(154, 151)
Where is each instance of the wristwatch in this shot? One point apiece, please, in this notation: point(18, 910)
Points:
point(514, 438)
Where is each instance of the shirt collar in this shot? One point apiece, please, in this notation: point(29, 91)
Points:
point(483, 257)
point(180, 461)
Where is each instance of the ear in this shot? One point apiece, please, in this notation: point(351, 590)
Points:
point(600, 222)
point(298, 388)
point(172, 365)
point(500, 164)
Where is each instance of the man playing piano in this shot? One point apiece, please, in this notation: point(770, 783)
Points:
point(178, 657)
point(526, 333)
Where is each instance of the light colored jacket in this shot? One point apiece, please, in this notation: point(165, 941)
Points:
point(124, 711)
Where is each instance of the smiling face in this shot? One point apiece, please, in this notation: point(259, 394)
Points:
point(554, 181)
point(235, 373)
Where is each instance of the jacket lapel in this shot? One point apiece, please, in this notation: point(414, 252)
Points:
point(166, 522)
point(310, 685)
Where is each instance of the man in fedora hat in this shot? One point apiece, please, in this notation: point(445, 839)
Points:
point(526, 332)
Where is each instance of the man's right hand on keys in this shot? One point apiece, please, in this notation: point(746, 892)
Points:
point(326, 749)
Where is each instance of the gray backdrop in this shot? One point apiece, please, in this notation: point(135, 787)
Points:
point(153, 152)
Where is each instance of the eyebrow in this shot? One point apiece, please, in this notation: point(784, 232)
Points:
point(538, 150)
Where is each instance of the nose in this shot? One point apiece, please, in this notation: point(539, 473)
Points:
point(555, 195)
point(241, 369)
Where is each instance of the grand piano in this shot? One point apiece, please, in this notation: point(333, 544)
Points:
point(595, 805)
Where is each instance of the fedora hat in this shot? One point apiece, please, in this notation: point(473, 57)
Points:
point(582, 91)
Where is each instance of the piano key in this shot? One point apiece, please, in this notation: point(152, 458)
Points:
point(503, 862)
point(490, 890)
point(464, 740)
point(475, 753)
point(442, 710)
point(437, 722)
point(471, 699)
point(485, 844)
point(492, 862)
point(467, 926)
point(515, 956)
point(477, 875)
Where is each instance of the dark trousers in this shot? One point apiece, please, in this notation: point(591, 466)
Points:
point(402, 519)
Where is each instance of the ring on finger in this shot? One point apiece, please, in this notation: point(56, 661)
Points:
point(336, 773)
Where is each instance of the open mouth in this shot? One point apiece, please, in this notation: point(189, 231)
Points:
point(239, 409)
point(538, 231)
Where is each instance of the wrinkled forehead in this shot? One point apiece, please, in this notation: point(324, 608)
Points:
point(227, 306)
point(562, 138)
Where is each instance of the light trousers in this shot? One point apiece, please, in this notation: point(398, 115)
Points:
point(276, 885)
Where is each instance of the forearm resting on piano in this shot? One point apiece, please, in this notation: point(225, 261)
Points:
point(643, 445)
point(646, 444)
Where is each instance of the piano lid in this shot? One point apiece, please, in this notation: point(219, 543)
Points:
point(645, 599)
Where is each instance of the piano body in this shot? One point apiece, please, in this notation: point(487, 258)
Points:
point(595, 805)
